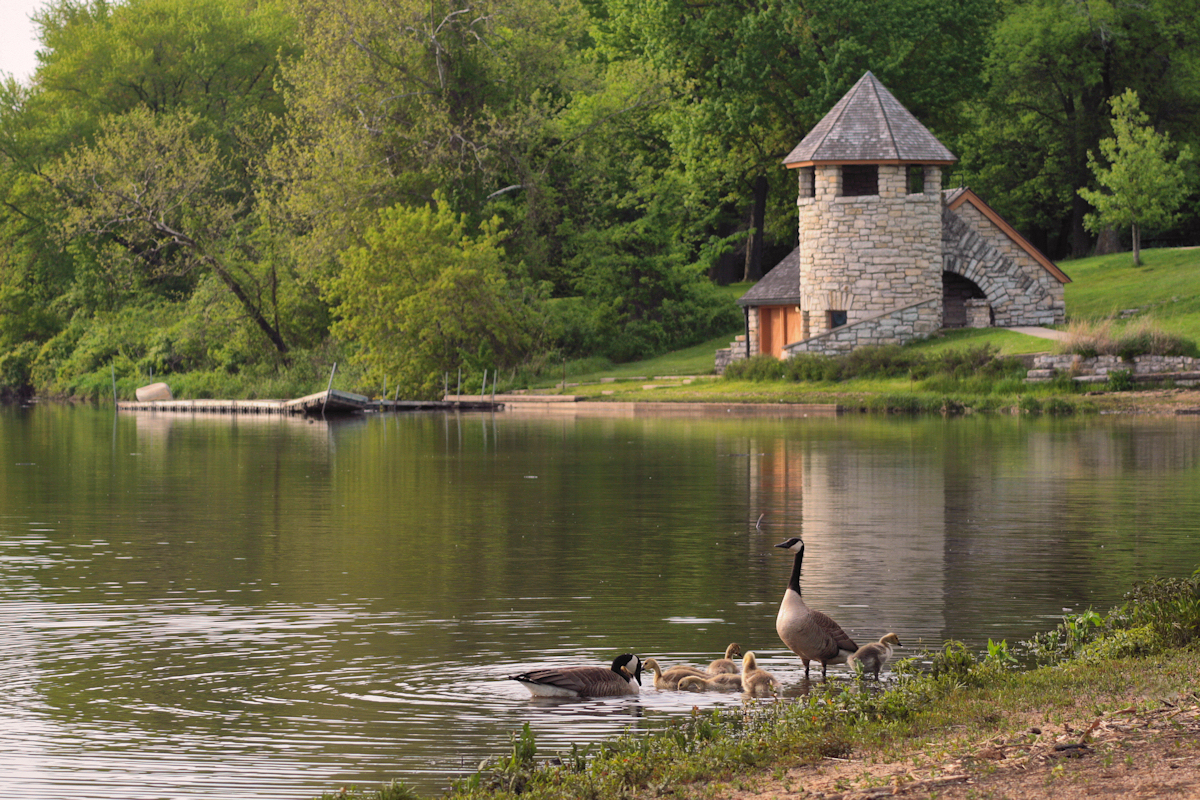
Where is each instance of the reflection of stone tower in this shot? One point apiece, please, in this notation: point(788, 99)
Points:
point(870, 212)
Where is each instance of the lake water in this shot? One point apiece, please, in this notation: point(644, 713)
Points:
point(265, 607)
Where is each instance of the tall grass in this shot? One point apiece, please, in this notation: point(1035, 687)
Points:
point(1110, 337)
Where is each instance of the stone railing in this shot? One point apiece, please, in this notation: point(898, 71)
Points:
point(897, 326)
point(1183, 370)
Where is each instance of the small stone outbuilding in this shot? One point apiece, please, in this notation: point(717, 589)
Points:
point(885, 254)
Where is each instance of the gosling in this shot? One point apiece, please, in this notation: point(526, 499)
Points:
point(872, 657)
point(670, 678)
point(726, 665)
point(757, 682)
point(714, 683)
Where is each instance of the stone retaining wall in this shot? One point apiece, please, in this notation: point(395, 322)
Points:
point(1183, 369)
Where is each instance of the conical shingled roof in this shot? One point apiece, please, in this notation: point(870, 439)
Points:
point(869, 125)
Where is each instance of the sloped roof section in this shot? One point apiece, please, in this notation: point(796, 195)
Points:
point(869, 125)
point(955, 198)
point(779, 287)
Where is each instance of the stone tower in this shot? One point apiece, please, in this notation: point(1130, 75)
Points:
point(885, 256)
point(870, 215)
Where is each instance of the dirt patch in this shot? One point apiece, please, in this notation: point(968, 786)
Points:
point(1128, 753)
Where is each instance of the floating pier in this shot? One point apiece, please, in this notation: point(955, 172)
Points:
point(313, 405)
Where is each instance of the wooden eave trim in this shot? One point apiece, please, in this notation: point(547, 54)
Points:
point(1008, 231)
point(888, 161)
point(772, 302)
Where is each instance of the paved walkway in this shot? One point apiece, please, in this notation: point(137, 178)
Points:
point(1044, 333)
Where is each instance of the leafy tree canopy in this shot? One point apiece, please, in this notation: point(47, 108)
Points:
point(422, 296)
point(1144, 186)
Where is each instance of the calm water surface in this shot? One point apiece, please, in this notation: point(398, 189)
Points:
point(256, 607)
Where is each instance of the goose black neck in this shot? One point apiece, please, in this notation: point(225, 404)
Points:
point(794, 582)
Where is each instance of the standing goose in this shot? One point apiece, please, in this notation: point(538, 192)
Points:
point(722, 682)
point(756, 681)
point(623, 677)
point(726, 665)
point(670, 678)
point(872, 657)
point(811, 635)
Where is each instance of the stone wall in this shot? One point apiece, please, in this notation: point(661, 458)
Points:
point(871, 254)
point(1097, 369)
point(1019, 289)
point(896, 326)
point(727, 355)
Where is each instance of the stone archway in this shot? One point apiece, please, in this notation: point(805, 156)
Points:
point(956, 291)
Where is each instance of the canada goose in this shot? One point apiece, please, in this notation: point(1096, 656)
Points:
point(757, 681)
point(723, 682)
point(726, 665)
point(872, 657)
point(670, 678)
point(808, 633)
point(623, 677)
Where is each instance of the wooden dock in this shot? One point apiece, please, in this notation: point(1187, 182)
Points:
point(313, 405)
point(579, 405)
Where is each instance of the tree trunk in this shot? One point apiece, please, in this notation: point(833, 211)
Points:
point(251, 308)
point(1080, 243)
point(1107, 243)
point(1137, 245)
point(754, 245)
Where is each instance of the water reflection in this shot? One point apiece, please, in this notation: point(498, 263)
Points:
point(267, 607)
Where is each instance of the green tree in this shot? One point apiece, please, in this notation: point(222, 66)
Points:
point(1051, 69)
point(422, 297)
point(1144, 186)
point(218, 60)
point(159, 201)
point(753, 77)
point(394, 99)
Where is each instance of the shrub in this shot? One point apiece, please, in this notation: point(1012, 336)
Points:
point(757, 368)
point(1157, 614)
point(812, 367)
point(1059, 407)
point(887, 361)
point(905, 403)
point(1120, 380)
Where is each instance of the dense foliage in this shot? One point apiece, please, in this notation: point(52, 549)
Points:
point(253, 187)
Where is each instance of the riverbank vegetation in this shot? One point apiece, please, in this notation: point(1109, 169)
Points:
point(227, 193)
point(943, 706)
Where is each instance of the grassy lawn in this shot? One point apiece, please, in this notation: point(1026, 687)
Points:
point(1166, 288)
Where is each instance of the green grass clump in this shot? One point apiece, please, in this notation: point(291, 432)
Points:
point(1156, 616)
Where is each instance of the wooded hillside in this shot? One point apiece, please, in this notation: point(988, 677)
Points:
point(261, 187)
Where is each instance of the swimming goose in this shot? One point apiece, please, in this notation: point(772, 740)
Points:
point(872, 657)
point(670, 678)
point(623, 677)
point(726, 665)
point(808, 633)
point(757, 681)
point(723, 682)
